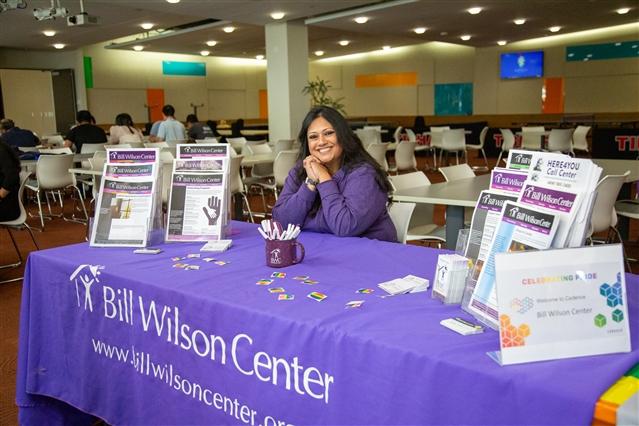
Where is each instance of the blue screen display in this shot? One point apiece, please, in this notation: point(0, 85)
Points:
point(522, 65)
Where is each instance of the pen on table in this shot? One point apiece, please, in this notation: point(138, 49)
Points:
point(468, 323)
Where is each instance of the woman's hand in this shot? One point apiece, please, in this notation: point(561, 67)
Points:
point(307, 163)
point(320, 171)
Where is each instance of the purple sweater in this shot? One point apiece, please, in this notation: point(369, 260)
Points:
point(352, 205)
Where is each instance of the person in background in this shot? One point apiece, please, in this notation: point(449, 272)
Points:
point(16, 137)
point(336, 186)
point(124, 130)
point(153, 130)
point(213, 126)
point(236, 128)
point(9, 183)
point(419, 125)
point(196, 130)
point(170, 129)
point(84, 132)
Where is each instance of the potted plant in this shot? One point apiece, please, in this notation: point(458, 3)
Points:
point(318, 90)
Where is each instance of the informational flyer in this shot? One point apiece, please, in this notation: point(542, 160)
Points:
point(191, 151)
point(196, 206)
point(520, 228)
point(563, 303)
point(507, 181)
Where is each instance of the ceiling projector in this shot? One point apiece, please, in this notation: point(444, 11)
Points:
point(54, 12)
point(12, 4)
point(81, 20)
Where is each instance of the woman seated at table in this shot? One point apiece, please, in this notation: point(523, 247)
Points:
point(9, 183)
point(124, 130)
point(336, 186)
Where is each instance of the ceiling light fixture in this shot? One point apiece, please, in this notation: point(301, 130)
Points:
point(277, 15)
point(465, 37)
point(554, 29)
point(359, 11)
point(229, 29)
point(147, 25)
point(172, 1)
point(211, 43)
point(443, 33)
point(344, 42)
point(519, 21)
point(386, 48)
point(361, 19)
point(474, 10)
point(319, 53)
point(623, 10)
point(260, 57)
point(48, 33)
point(420, 30)
point(205, 53)
point(138, 48)
point(502, 42)
point(59, 45)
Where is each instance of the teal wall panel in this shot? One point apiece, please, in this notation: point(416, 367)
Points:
point(594, 52)
point(454, 99)
point(183, 68)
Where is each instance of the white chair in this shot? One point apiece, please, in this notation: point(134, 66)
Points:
point(132, 138)
point(400, 214)
point(369, 136)
point(579, 139)
point(560, 140)
point(284, 162)
point(460, 171)
point(237, 143)
point(90, 148)
point(18, 223)
point(261, 174)
point(531, 138)
point(207, 140)
point(405, 157)
point(480, 148)
point(53, 140)
point(377, 150)
point(411, 135)
point(507, 143)
point(422, 226)
point(236, 185)
point(397, 133)
point(453, 140)
point(56, 151)
point(156, 145)
point(52, 173)
point(283, 145)
point(436, 137)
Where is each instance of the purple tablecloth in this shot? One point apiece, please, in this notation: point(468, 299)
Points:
point(223, 350)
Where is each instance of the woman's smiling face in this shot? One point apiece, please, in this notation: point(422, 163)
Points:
point(323, 144)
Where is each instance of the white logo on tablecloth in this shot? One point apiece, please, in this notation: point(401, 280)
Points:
point(85, 275)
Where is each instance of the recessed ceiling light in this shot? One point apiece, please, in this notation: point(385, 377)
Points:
point(48, 33)
point(138, 48)
point(59, 45)
point(443, 33)
point(617, 44)
point(229, 29)
point(211, 43)
point(147, 25)
point(277, 15)
point(502, 42)
point(259, 57)
point(172, 1)
point(319, 52)
point(344, 42)
point(420, 30)
point(474, 10)
point(519, 21)
point(205, 53)
point(465, 37)
point(386, 47)
point(361, 19)
point(623, 10)
point(554, 29)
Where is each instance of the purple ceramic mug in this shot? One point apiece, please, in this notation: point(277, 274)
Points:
point(282, 253)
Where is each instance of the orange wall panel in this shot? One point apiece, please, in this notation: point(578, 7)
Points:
point(263, 103)
point(552, 98)
point(386, 80)
point(155, 100)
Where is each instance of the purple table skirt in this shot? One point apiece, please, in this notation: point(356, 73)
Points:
point(223, 350)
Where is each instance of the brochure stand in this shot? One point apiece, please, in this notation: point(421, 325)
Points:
point(128, 209)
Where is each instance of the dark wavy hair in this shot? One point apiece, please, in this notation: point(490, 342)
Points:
point(125, 119)
point(353, 155)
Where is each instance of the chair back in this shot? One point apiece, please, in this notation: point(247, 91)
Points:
point(174, 143)
point(283, 164)
point(560, 140)
point(90, 148)
point(156, 145)
point(53, 140)
point(20, 220)
point(436, 135)
point(207, 140)
point(603, 212)
point(396, 133)
point(257, 148)
point(535, 129)
point(405, 156)
point(98, 160)
point(408, 180)
point(129, 138)
point(508, 141)
point(167, 169)
point(453, 140)
point(369, 136)
point(236, 185)
point(283, 145)
point(400, 214)
point(237, 143)
point(411, 135)
point(482, 137)
point(55, 151)
point(378, 152)
point(531, 138)
point(457, 172)
point(52, 171)
point(579, 140)
point(377, 128)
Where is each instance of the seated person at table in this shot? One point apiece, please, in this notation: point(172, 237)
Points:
point(9, 183)
point(195, 129)
point(336, 186)
point(170, 129)
point(84, 132)
point(124, 130)
point(16, 137)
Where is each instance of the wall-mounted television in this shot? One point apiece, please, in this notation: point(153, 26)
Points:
point(522, 65)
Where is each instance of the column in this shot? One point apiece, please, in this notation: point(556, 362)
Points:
point(286, 76)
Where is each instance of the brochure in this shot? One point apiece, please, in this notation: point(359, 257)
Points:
point(562, 304)
point(507, 181)
point(520, 228)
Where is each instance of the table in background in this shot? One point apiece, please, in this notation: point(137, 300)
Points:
point(454, 195)
point(388, 362)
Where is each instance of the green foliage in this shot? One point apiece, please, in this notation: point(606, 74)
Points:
point(318, 89)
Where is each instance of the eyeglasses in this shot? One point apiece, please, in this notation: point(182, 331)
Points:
point(326, 134)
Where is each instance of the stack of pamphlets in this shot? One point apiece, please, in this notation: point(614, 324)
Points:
point(408, 284)
point(450, 278)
